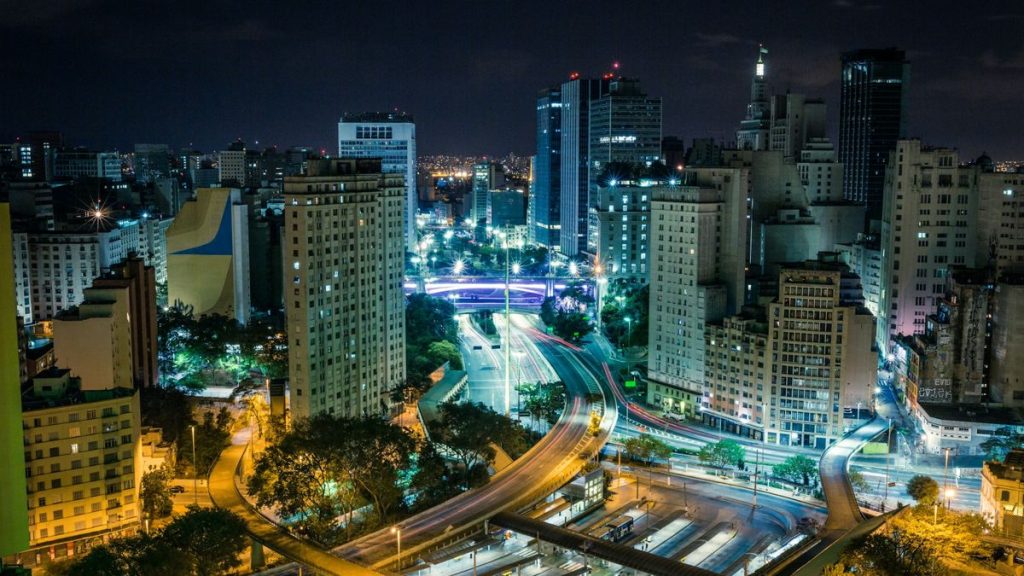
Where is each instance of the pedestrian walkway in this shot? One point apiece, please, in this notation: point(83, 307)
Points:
point(225, 493)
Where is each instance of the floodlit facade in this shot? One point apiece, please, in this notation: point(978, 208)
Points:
point(344, 253)
point(95, 339)
point(391, 137)
point(208, 254)
point(1002, 494)
point(738, 370)
point(928, 225)
point(83, 465)
point(822, 355)
point(698, 235)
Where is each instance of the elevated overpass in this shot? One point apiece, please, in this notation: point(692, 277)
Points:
point(552, 462)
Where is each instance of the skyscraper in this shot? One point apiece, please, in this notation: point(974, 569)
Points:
point(343, 287)
point(547, 173)
point(753, 132)
point(577, 96)
point(872, 117)
point(390, 136)
point(625, 126)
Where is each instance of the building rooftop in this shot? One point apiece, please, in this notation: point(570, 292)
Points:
point(377, 117)
point(975, 413)
point(54, 387)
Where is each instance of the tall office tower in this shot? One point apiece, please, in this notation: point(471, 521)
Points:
point(577, 97)
point(487, 176)
point(625, 126)
point(872, 117)
point(13, 519)
point(698, 236)
point(390, 136)
point(81, 163)
point(151, 162)
point(231, 169)
point(22, 277)
point(344, 255)
point(208, 254)
point(37, 154)
point(822, 355)
point(929, 223)
point(545, 196)
point(139, 280)
point(753, 132)
point(508, 207)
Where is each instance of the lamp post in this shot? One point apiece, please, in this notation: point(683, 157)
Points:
point(195, 469)
point(508, 331)
point(397, 531)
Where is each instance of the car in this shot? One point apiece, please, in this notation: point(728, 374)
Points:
point(177, 489)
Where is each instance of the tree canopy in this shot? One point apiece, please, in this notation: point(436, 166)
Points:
point(647, 448)
point(798, 469)
point(923, 489)
point(722, 453)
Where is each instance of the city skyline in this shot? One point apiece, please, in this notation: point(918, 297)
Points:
point(265, 76)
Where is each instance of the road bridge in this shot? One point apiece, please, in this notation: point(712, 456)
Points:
point(620, 554)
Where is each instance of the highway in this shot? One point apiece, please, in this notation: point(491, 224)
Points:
point(552, 461)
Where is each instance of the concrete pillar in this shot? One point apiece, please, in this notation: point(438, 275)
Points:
point(549, 287)
point(258, 560)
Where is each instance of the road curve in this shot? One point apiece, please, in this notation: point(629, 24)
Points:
point(843, 509)
point(551, 462)
point(225, 494)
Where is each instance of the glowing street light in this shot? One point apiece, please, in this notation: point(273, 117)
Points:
point(573, 269)
point(458, 267)
point(515, 268)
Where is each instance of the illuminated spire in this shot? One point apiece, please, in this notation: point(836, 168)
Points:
point(761, 54)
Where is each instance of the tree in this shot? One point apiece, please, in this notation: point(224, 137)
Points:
point(468, 431)
point(212, 436)
point(573, 326)
point(858, 482)
point(135, 556)
point(895, 553)
point(444, 351)
point(647, 448)
point(722, 453)
point(797, 469)
point(156, 493)
point(211, 539)
point(997, 446)
point(923, 489)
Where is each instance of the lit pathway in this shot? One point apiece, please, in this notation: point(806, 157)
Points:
point(225, 493)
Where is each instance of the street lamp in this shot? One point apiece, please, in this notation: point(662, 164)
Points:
point(397, 531)
point(195, 469)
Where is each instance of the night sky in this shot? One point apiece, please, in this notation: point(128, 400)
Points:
point(109, 74)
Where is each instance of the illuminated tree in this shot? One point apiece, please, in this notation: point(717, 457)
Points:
point(923, 489)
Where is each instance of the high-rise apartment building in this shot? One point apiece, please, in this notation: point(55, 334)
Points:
point(1000, 220)
point(94, 339)
point(391, 137)
point(139, 280)
point(231, 165)
point(545, 193)
point(754, 129)
point(737, 372)
point(820, 336)
point(208, 254)
point(344, 253)
point(928, 225)
point(625, 127)
point(83, 465)
point(872, 117)
point(697, 260)
point(14, 535)
point(577, 96)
